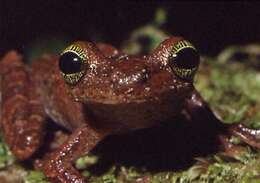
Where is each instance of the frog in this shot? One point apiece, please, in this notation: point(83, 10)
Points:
point(94, 90)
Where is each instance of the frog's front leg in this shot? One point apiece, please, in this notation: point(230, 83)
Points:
point(60, 164)
point(199, 110)
point(22, 115)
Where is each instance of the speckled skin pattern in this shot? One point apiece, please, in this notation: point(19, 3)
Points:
point(118, 93)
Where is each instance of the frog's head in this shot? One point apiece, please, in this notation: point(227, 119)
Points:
point(93, 75)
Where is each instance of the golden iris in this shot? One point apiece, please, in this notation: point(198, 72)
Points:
point(71, 64)
point(184, 59)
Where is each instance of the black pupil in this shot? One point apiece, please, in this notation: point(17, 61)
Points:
point(187, 58)
point(70, 63)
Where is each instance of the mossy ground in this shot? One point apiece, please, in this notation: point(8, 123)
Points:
point(232, 89)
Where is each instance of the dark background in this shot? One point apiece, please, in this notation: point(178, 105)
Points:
point(210, 25)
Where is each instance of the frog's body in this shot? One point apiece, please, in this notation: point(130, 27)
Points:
point(105, 92)
point(131, 93)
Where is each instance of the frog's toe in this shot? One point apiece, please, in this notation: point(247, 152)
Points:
point(247, 135)
point(59, 170)
point(25, 145)
point(229, 148)
point(145, 179)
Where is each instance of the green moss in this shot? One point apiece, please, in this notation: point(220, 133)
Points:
point(6, 157)
point(232, 90)
point(35, 177)
point(86, 161)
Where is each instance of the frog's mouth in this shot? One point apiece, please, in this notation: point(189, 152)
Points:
point(137, 113)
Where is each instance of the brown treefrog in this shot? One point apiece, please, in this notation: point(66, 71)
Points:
point(95, 90)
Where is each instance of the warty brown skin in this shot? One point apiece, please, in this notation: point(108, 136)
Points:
point(22, 116)
point(118, 93)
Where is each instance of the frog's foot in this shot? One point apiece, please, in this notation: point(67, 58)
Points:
point(144, 179)
point(247, 135)
point(22, 116)
point(59, 165)
point(230, 149)
point(58, 171)
point(199, 110)
point(27, 140)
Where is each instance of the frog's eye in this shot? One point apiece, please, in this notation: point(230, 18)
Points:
point(184, 59)
point(72, 64)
